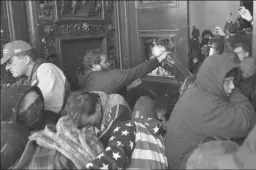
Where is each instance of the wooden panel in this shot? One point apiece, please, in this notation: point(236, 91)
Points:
point(161, 17)
point(123, 34)
point(5, 76)
point(72, 51)
point(65, 28)
point(254, 29)
point(168, 39)
point(69, 10)
point(165, 94)
point(16, 16)
point(165, 22)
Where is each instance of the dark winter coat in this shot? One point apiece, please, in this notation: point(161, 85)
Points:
point(205, 110)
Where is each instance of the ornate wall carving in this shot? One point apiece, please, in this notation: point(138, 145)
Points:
point(47, 10)
point(80, 28)
point(76, 20)
point(74, 8)
point(58, 19)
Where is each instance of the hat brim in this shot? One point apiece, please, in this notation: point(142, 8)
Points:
point(5, 59)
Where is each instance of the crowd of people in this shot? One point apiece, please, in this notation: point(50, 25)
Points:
point(45, 125)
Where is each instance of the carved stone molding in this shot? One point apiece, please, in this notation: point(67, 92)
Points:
point(79, 9)
point(69, 19)
point(48, 29)
point(109, 5)
point(110, 27)
point(47, 11)
point(80, 28)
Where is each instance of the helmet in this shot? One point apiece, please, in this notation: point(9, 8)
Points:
point(217, 44)
point(214, 46)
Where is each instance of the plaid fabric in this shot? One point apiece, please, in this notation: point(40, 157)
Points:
point(68, 147)
point(45, 158)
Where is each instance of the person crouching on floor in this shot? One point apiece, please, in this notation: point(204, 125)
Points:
point(211, 107)
point(64, 146)
point(132, 144)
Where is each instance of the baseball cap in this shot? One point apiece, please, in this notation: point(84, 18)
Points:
point(12, 48)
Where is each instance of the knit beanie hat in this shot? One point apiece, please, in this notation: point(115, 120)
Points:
point(248, 67)
point(11, 101)
point(14, 138)
point(145, 107)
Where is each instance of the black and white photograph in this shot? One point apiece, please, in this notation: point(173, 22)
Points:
point(118, 84)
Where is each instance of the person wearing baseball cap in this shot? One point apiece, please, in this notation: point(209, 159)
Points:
point(22, 61)
point(13, 48)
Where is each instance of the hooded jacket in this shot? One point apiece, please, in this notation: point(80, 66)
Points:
point(205, 110)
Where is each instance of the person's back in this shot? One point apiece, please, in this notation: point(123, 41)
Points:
point(206, 109)
point(24, 104)
point(134, 144)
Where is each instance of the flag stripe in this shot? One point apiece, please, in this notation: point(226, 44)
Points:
point(148, 155)
point(146, 164)
point(147, 138)
point(150, 146)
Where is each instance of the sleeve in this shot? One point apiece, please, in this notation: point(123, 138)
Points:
point(225, 27)
point(129, 75)
point(52, 84)
point(118, 152)
point(230, 120)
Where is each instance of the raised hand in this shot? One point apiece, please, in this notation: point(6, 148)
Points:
point(229, 19)
point(218, 31)
point(163, 56)
point(245, 13)
point(157, 50)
